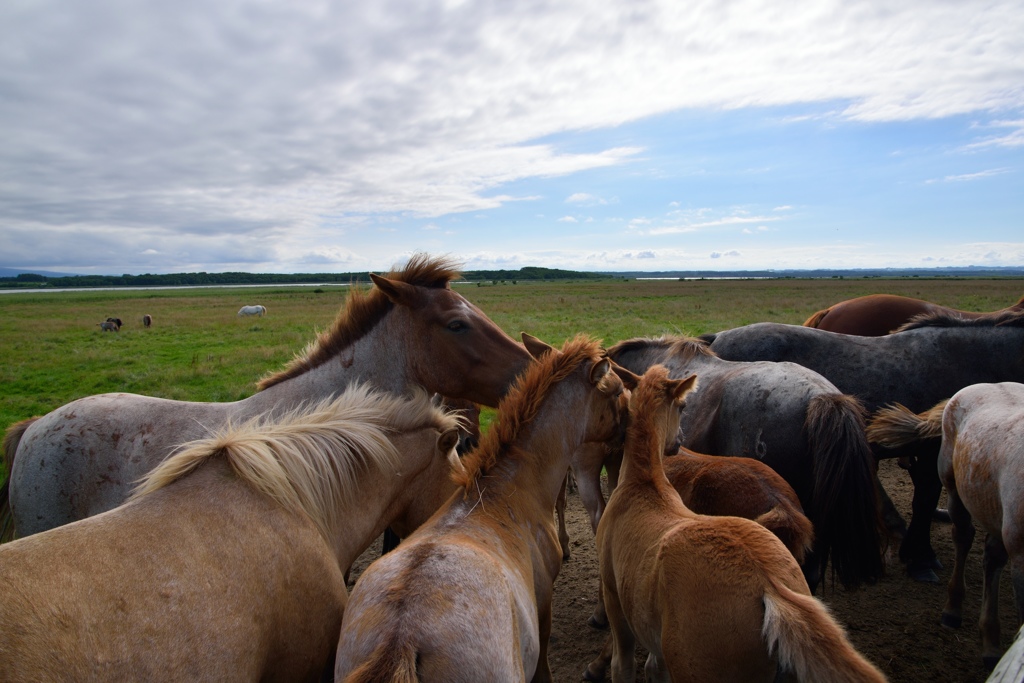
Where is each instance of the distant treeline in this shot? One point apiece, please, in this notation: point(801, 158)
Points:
point(213, 279)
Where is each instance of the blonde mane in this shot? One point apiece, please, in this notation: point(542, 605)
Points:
point(309, 459)
point(522, 403)
point(362, 311)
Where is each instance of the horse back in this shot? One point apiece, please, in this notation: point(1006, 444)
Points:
point(191, 582)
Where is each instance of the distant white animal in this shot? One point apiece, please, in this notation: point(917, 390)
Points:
point(109, 326)
point(253, 310)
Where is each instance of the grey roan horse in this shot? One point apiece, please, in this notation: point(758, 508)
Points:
point(410, 329)
point(925, 362)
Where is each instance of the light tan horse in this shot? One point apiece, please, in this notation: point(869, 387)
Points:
point(711, 598)
point(468, 596)
point(411, 329)
point(737, 487)
point(227, 563)
point(981, 465)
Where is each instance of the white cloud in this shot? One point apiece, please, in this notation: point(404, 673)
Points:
point(968, 176)
point(198, 128)
point(567, 219)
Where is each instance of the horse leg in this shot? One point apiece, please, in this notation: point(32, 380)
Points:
point(597, 668)
point(655, 670)
point(543, 673)
point(963, 538)
point(563, 532)
point(389, 542)
point(993, 561)
point(623, 641)
point(916, 550)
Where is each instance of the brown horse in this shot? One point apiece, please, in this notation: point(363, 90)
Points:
point(875, 315)
point(790, 418)
point(710, 598)
point(981, 465)
point(227, 563)
point(468, 596)
point(737, 487)
point(411, 329)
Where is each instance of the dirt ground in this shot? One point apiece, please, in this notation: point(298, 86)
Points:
point(895, 623)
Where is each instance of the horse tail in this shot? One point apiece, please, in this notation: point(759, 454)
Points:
point(896, 425)
point(10, 445)
point(816, 319)
point(387, 664)
point(809, 642)
point(844, 508)
point(792, 527)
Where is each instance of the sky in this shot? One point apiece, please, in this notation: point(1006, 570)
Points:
point(280, 136)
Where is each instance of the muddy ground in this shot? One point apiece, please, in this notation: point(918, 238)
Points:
point(895, 623)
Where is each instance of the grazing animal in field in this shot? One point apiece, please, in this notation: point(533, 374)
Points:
point(925, 362)
point(410, 329)
point(467, 597)
point(227, 563)
point(147, 320)
point(981, 465)
point(791, 419)
point(875, 315)
point(710, 598)
point(116, 321)
point(252, 310)
point(109, 326)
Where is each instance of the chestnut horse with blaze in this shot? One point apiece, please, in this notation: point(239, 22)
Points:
point(468, 596)
point(710, 598)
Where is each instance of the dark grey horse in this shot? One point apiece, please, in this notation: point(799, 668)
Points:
point(797, 423)
point(928, 360)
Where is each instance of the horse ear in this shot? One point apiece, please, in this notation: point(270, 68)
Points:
point(448, 440)
point(599, 370)
point(681, 387)
point(401, 293)
point(536, 347)
point(628, 378)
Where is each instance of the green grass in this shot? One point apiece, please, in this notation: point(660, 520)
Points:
point(52, 350)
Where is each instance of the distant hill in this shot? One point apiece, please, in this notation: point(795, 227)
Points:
point(11, 277)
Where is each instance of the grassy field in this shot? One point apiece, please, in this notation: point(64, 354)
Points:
point(52, 350)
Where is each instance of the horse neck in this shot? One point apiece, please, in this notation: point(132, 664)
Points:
point(376, 358)
point(534, 465)
point(381, 497)
point(642, 462)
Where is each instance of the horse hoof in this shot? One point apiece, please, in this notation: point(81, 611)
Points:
point(595, 676)
point(951, 621)
point(594, 622)
point(924, 574)
point(989, 661)
point(941, 515)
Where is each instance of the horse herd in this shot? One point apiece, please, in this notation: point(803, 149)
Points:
point(173, 539)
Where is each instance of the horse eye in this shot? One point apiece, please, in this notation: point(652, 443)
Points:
point(457, 326)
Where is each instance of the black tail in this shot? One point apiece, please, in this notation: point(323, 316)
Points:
point(845, 506)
